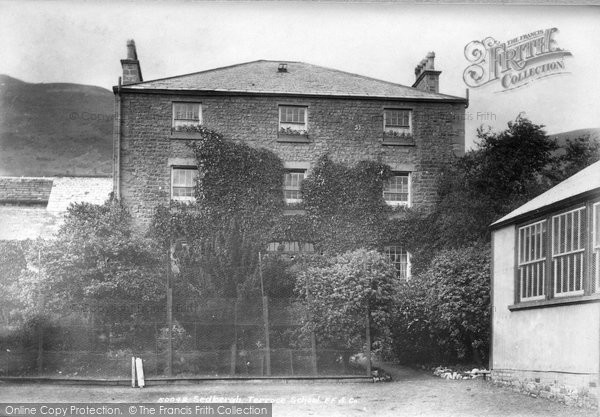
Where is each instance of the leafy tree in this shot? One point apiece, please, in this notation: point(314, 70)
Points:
point(95, 257)
point(506, 169)
point(443, 313)
point(12, 264)
point(341, 292)
point(579, 153)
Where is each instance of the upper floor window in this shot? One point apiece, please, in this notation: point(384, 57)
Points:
point(291, 185)
point(183, 183)
point(397, 121)
point(400, 259)
point(552, 255)
point(396, 190)
point(293, 120)
point(186, 114)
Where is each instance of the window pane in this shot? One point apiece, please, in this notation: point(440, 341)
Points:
point(568, 250)
point(183, 182)
point(399, 258)
point(531, 261)
point(291, 185)
point(397, 118)
point(186, 114)
point(396, 189)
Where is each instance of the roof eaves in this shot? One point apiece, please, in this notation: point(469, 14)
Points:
point(540, 211)
point(438, 98)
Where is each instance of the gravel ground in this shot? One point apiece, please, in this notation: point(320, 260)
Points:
point(412, 393)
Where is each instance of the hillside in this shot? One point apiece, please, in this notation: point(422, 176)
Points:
point(562, 138)
point(54, 129)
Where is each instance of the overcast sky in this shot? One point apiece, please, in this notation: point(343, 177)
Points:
point(56, 41)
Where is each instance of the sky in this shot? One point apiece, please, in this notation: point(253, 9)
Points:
point(82, 42)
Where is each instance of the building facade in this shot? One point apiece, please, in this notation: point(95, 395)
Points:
point(546, 293)
point(297, 110)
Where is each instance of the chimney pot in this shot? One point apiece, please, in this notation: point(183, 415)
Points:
point(132, 72)
point(426, 77)
point(131, 52)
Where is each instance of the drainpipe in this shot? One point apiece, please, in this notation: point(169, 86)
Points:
point(117, 145)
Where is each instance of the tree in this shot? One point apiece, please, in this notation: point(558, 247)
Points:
point(579, 153)
point(96, 257)
point(341, 292)
point(443, 313)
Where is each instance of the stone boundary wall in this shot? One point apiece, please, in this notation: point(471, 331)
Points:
point(580, 390)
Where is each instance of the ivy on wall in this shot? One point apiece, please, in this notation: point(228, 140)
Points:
point(240, 210)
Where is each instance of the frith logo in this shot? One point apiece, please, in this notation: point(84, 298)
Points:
point(514, 63)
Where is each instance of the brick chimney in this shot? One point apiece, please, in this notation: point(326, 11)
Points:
point(427, 78)
point(132, 73)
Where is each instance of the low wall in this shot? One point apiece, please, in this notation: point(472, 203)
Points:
point(572, 389)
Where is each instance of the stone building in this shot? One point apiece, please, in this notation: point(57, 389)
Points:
point(297, 110)
point(546, 293)
point(32, 207)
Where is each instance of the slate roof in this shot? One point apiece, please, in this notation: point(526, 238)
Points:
point(263, 77)
point(586, 180)
point(16, 190)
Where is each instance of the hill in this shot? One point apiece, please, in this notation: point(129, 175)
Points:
point(54, 129)
point(592, 135)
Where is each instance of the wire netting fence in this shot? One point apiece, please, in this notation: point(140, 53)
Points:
point(210, 337)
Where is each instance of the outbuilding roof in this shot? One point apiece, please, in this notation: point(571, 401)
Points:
point(585, 181)
point(25, 190)
point(287, 78)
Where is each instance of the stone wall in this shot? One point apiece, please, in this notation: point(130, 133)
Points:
point(348, 130)
point(569, 388)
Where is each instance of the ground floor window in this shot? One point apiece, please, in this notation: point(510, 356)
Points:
point(559, 256)
point(400, 258)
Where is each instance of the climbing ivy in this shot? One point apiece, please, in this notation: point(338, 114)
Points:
point(240, 210)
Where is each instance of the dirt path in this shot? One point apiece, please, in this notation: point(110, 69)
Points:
point(412, 393)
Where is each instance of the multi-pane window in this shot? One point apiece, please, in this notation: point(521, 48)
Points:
point(532, 265)
point(291, 247)
point(186, 114)
point(568, 247)
point(396, 190)
point(291, 185)
point(559, 256)
point(183, 183)
point(396, 119)
point(400, 259)
point(293, 119)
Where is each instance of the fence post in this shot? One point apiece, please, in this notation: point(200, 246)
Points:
point(232, 363)
point(169, 315)
point(267, 336)
point(40, 355)
point(368, 337)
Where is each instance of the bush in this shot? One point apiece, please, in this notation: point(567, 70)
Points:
point(443, 313)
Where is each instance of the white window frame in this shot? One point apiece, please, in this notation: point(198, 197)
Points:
point(397, 203)
point(406, 129)
point(299, 126)
point(532, 268)
point(388, 252)
point(290, 247)
point(191, 198)
point(577, 255)
point(178, 122)
point(293, 188)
